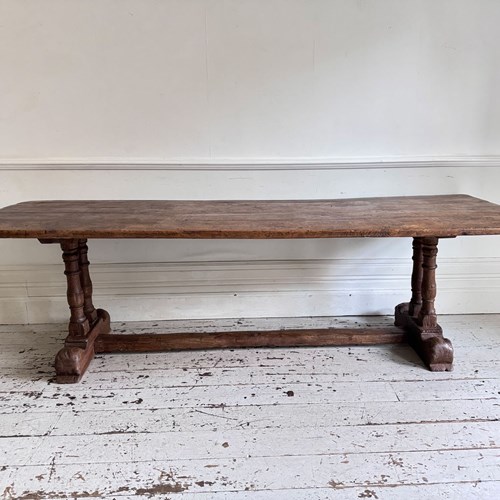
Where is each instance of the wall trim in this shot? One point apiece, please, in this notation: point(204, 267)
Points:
point(248, 164)
point(200, 290)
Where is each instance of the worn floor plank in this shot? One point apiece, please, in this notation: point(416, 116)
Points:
point(276, 442)
point(454, 491)
point(448, 491)
point(349, 364)
point(305, 471)
point(266, 424)
point(299, 416)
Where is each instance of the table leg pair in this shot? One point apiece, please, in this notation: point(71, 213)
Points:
point(86, 323)
point(89, 328)
point(418, 317)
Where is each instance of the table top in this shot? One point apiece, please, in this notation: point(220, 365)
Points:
point(442, 216)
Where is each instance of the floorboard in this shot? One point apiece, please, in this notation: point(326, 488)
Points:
point(260, 424)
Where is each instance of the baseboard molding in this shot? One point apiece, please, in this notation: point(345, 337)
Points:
point(184, 290)
point(251, 164)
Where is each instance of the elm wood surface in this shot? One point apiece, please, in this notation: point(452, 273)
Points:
point(271, 338)
point(425, 218)
point(408, 216)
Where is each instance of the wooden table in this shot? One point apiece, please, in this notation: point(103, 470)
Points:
point(423, 218)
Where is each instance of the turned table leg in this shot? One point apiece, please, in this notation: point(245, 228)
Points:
point(78, 322)
point(416, 278)
point(418, 317)
point(427, 317)
point(413, 307)
point(86, 282)
point(86, 323)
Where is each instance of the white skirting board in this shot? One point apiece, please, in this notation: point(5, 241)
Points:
point(183, 290)
point(184, 279)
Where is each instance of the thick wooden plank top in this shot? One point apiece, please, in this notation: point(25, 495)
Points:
point(447, 215)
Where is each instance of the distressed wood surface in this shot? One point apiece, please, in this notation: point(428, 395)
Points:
point(373, 471)
point(315, 423)
point(155, 446)
point(271, 338)
point(257, 366)
point(258, 394)
point(442, 215)
point(447, 491)
point(137, 420)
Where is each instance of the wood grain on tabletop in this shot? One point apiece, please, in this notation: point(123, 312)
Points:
point(443, 215)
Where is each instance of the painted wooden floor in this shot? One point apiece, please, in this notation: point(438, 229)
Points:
point(259, 424)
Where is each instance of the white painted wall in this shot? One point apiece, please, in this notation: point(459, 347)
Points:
point(206, 99)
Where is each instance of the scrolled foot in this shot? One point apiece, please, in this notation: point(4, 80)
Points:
point(434, 350)
point(437, 353)
point(71, 364)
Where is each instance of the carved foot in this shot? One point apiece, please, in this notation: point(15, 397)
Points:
point(71, 363)
point(434, 350)
point(73, 360)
